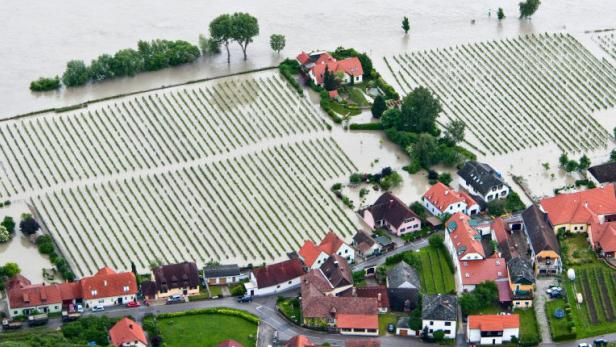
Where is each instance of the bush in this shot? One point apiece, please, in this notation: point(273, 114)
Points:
point(436, 241)
point(390, 92)
point(289, 68)
point(366, 126)
point(445, 178)
point(412, 168)
point(44, 84)
point(198, 297)
point(9, 224)
point(391, 181)
point(238, 290)
point(219, 310)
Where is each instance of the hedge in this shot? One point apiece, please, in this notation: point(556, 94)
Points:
point(289, 68)
point(218, 310)
point(366, 126)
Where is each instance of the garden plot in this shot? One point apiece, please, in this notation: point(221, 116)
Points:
point(236, 170)
point(517, 94)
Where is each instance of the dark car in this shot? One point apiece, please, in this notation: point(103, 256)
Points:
point(391, 328)
point(245, 298)
point(600, 342)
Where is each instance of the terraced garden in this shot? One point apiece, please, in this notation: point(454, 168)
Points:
point(230, 171)
point(519, 93)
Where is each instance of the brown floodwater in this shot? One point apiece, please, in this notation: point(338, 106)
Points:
point(39, 37)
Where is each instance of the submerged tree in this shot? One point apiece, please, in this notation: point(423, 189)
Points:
point(221, 31)
point(528, 8)
point(406, 26)
point(244, 28)
point(76, 74)
point(500, 14)
point(454, 132)
point(378, 106)
point(278, 42)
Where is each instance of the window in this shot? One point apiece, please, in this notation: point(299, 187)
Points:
point(55, 307)
point(101, 301)
point(289, 282)
point(126, 289)
point(278, 286)
point(431, 323)
point(447, 324)
point(94, 292)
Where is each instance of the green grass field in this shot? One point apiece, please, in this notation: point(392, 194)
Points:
point(387, 318)
point(436, 276)
point(529, 328)
point(356, 95)
point(206, 330)
point(558, 327)
point(291, 308)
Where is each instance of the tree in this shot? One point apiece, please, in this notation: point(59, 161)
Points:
point(127, 62)
point(278, 42)
point(500, 14)
point(366, 64)
point(614, 132)
point(10, 269)
point(329, 80)
point(528, 8)
point(469, 303)
point(76, 74)
point(406, 26)
point(28, 225)
point(584, 163)
point(45, 84)
point(613, 155)
point(5, 236)
point(445, 178)
point(563, 160)
point(221, 30)
point(244, 28)
point(101, 68)
point(454, 132)
point(438, 335)
point(424, 150)
point(9, 224)
point(208, 46)
point(419, 209)
point(390, 181)
point(420, 108)
point(378, 107)
point(571, 166)
point(436, 241)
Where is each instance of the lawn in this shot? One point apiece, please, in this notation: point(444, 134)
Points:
point(387, 318)
point(357, 96)
point(558, 327)
point(215, 291)
point(436, 275)
point(206, 330)
point(290, 308)
point(529, 328)
point(577, 250)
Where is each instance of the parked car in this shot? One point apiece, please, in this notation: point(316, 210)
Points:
point(245, 298)
point(554, 290)
point(11, 324)
point(600, 342)
point(391, 328)
point(80, 308)
point(132, 304)
point(98, 308)
point(583, 344)
point(175, 299)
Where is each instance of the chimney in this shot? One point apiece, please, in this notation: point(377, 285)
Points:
point(585, 203)
point(378, 297)
point(354, 293)
point(105, 283)
point(130, 326)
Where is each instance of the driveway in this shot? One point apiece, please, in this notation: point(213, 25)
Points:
point(542, 284)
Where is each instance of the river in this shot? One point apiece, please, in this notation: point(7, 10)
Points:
point(39, 37)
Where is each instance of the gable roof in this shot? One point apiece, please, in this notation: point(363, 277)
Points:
point(357, 321)
point(377, 292)
point(498, 227)
point(214, 271)
point(303, 58)
point(275, 274)
point(108, 283)
point(309, 252)
point(439, 307)
point(402, 299)
point(126, 331)
point(300, 341)
point(443, 196)
point(330, 243)
point(337, 271)
point(482, 177)
point(474, 272)
point(605, 172)
point(34, 295)
point(465, 238)
point(391, 209)
point(580, 207)
point(180, 275)
point(362, 241)
point(539, 230)
point(520, 270)
point(604, 235)
point(402, 273)
point(351, 66)
point(494, 322)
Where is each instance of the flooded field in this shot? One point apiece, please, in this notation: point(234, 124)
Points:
point(38, 38)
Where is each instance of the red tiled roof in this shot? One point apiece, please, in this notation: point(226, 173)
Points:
point(333, 93)
point(465, 239)
point(371, 292)
point(300, 341)
point(357, 321)
point(474, 272)
point(34, 295)
point(324, 57)
point(504, 291)
point(604, 235)
point(350, 66)
point(362, 343)
point(229, 343)
point(70, 290)
point(580, 207)
point(330, 243)
point(126, 331)
point(442, 196)
point(493, 322)
point(309, 252)
point(278, 273)
point(108, 283)
point(303, 58)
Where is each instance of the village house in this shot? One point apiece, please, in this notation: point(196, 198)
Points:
point(333, 277)
point(603, 239)
point(482, 181)
point(316, 63)
point(545, 250)
point(604, 173)
point(127, 333)
point(173, 279)
point(275, 278)
point(313, 256)
point(521, 281)
point(441, 199)
point(439, 312)
point(377, 292)
point(220, 275)
point(106, 288)
point(390, 213)
point(492, 329)
point(365, 245)
point(403, 286)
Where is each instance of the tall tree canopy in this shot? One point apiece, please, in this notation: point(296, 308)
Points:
point(528, 8)
point(76, 74)
point(419, 111)
point(244, 28)
point(221, 30)
point(406, 26)
point(277, 42)
point(454, 132)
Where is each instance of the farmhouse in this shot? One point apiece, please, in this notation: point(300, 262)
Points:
point(176, 279)
point(275, 278)
point(127, 333)
point(377, 292)
point(403, 286)
point(222, 274)
point(440, 312)
point(108, 288)
point(313, 255)
point(482, 181)
point(391, 213)
point(603, 239)
point(440, 200)
point(492, 329)
point(333, 277)
point(365, 245)
point(545, 250)
point(316, 63)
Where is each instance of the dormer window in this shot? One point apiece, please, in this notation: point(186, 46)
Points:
point(126, 289)
point(94, 292)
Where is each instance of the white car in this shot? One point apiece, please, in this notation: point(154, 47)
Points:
point(554, 290)
point(98, 308)
point(583, 344)
point(79, 308)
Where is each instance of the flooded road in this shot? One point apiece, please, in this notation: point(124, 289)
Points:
point(38, 38)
